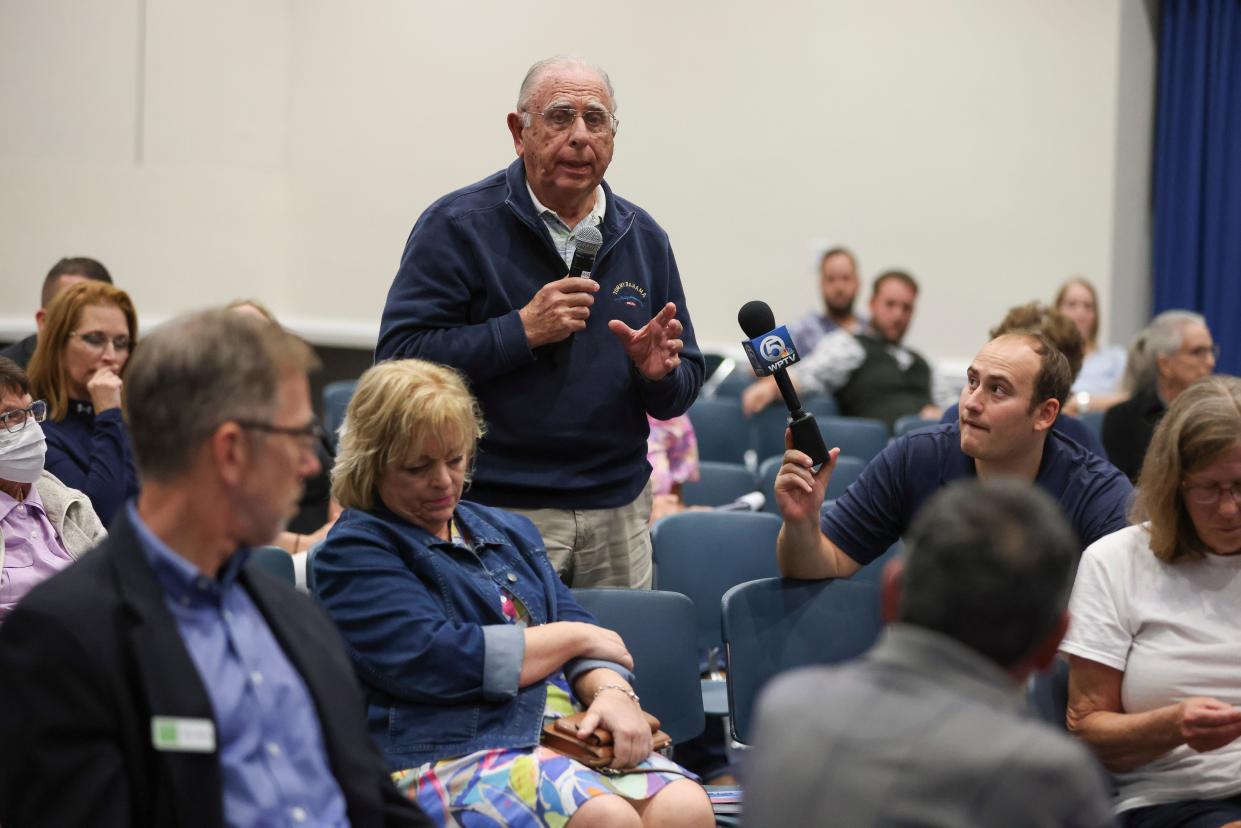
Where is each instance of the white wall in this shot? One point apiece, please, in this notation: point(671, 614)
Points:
point(284, 149)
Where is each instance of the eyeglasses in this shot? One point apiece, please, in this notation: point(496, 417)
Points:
point(1209, 495)
point(560, 118)
point(1204, 351)
point(98, 340)
point(309, 434)
point(16, 419)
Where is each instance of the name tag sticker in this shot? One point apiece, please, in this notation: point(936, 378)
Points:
point(174, 733)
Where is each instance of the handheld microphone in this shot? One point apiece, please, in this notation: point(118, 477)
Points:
point(771, 350)
point(589, 240)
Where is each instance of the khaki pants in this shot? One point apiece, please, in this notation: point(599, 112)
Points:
point(598, 547)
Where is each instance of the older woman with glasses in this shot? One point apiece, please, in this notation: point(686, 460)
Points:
point(463, 636)
point(1154, 643)
point(44, 524)
point(87, 337)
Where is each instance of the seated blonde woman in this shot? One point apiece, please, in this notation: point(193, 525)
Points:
point(462, 634)
point(1154, 645)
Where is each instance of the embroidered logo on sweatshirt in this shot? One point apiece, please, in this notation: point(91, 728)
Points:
point(629, 294)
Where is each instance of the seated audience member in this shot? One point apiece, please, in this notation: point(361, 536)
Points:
point(316, 495)
point(1013, 392)
point(464, 636)
point(1098, 385)
point(672, 451)
point(871, 374)
point(161, 681)
point(64, 273)
point(1177, 349)
point(929, 728)
point(1064, 334)
point(1154, 644)
point(87, 337)
point(44, 524)
point(838, 284)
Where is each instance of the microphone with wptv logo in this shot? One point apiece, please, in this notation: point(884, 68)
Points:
point(771, 352)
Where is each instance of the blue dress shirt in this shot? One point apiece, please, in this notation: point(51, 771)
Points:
point(272, 757)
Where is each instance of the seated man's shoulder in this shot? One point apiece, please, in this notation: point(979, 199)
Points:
point(1072, 456)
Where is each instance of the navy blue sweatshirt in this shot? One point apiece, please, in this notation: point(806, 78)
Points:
point(566, 427)
point(92, 454)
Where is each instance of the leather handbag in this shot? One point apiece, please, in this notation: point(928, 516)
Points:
point(595, 750)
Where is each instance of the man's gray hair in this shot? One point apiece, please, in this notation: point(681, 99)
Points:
point(194, 373)
point(535, 73)
point(990, 564)
point(1164, 336)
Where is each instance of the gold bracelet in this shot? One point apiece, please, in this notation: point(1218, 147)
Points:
point(619, 687)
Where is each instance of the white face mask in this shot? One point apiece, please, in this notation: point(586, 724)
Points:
point(22, 453)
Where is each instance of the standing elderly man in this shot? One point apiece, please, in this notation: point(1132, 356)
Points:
point(565, 368)
point(159, 678)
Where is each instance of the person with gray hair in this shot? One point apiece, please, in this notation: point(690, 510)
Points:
point(567, 368)
point(172, 683)
point(1175, 349)
point(929, 728)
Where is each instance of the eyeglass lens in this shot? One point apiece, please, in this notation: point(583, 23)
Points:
point(16, 420)
point(98, 339)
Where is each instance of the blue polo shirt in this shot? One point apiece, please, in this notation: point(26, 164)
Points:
point(878, 507)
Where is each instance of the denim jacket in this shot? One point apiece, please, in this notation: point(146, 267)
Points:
point(422, 622)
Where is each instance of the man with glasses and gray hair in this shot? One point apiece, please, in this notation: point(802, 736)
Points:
point(44, 524)
point(1175, 349)
point(565, 367)
point(159, 678)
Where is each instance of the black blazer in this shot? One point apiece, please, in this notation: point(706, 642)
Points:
point(90, 655)
point(1128, 428)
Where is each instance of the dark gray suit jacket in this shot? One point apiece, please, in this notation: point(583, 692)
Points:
point(922, 731)
point(90, 655)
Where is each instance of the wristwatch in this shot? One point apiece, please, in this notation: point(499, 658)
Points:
point(1082, 398)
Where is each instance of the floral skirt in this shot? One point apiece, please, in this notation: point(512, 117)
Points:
point(523, 787)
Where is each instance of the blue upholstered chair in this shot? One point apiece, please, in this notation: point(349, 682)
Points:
point(336, 396)
point(718, 484)
point(776, 624)
point(658, 629)
point(274, 561)
point(723, 433)
point(856, 436)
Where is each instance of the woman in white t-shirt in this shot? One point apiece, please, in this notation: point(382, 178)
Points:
point(1155, 639)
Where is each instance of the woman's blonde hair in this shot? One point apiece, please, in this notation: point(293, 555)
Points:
point(48, 378)
point(1202, 423)
point(397, 408)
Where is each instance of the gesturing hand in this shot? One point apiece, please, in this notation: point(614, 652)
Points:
point(655, 348)
point(559, 309)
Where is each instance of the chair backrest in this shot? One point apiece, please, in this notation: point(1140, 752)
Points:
point(703, 554)
point(274, 561)
point(767, 429)
point(723, 433)
point(873, 571)
point(718, 484)
point(336, 396)
point(1048, 694)
point(856, 436)
point(911, 422)
point(658, 630)
point(774, 624)
point(847, 470)
point(730, 385)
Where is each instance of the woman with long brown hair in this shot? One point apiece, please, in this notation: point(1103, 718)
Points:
point(78, 368)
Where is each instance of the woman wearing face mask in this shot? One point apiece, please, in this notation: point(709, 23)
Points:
point(44, 524)
point(77, 367)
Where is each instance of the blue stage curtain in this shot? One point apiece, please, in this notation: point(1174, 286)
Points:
point(1197, 190)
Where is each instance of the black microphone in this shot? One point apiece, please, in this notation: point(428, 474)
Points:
point(757, 320)
point(589, 240)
